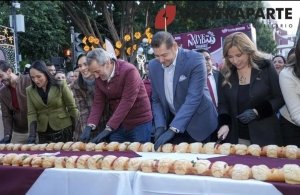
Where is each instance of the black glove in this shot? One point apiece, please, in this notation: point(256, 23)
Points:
point(164, 138)
point(100, 136)
point(158, 132)
point(247, 116)
point(85, 136)
point(6, 139)
point(32, 133)
point(73, 123)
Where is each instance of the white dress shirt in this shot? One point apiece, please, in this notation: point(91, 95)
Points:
point(168, 83)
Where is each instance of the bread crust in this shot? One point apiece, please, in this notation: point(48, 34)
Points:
point(95, 161)
point(291, 173)
point(81, 162)
point(108, 162)
point(181, 148)
point(195, 148)
point(121, 163)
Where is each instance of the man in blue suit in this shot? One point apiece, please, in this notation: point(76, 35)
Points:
point(182, 107)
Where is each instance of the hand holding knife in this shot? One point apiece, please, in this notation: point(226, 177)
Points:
point(219, 141)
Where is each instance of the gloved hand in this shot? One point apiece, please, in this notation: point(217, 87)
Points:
point(164, 138)
point(73, 123)
point(6, 139)
point(32, 133)
point(100, 136)
point(247, 116)
point(85, 136)
point(158, 132)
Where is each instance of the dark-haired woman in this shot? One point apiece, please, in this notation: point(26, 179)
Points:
point(289, 80)
point(51, 107)
point(83, 91)
point(279, 62)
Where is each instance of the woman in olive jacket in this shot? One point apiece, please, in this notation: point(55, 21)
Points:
point(51, 107)
point(249, 94)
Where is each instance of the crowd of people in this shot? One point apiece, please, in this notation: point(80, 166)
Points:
point(252, 99)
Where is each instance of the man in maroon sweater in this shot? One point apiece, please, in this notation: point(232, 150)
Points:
point(119, 84)
point(13, 102)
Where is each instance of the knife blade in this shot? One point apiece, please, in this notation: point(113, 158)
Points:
point(218, 141)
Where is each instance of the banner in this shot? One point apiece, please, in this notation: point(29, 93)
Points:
point(212, 39)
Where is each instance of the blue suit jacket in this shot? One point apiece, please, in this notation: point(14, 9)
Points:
point(195, 112)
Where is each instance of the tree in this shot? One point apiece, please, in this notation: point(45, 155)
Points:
point(46, 34)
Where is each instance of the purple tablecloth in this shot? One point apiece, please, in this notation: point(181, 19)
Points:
point(18, 180)
point(284, 188)
point(129, 154)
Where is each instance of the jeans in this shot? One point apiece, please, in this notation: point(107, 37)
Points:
point(140, 133)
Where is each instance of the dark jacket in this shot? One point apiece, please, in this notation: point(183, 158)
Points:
point(15, 120)
point(265, 97)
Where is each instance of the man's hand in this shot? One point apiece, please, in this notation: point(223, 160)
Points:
point(158, 132)
point(101, 136)
point(247, 116)
point(85, 136)
point(164, 138)
point(6, 139)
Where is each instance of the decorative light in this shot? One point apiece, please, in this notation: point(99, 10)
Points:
point(150, 51)
point(145, 40)
point(140, 50)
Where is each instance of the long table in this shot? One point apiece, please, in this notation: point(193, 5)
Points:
point(89, 182)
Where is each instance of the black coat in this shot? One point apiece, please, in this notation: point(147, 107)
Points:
point(265, 97)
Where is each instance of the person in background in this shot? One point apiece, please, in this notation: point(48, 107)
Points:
point(289, 80)
point(147, 81)
point(212, 76)
point(212, 82)
point(249, 94)
point(60, 75)
point(292, 51)
point(182, 107)
point(70, 77)
point(279, 62)
point(76, 73)
point(51, 68)
point(26, 69)
point(13, 104)
point(83, 90)
point(52, 111)
point(118, 84)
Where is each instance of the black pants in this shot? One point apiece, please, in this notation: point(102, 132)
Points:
point(290, 132)
point(49, 136)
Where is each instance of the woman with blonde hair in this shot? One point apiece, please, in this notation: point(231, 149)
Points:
point(249, 94)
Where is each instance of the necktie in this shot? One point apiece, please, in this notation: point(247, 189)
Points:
point(211, 92)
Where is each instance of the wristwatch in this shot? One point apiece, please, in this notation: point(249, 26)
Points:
point(174, 129)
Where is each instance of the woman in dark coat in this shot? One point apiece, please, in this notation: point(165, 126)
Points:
point(249, 94)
